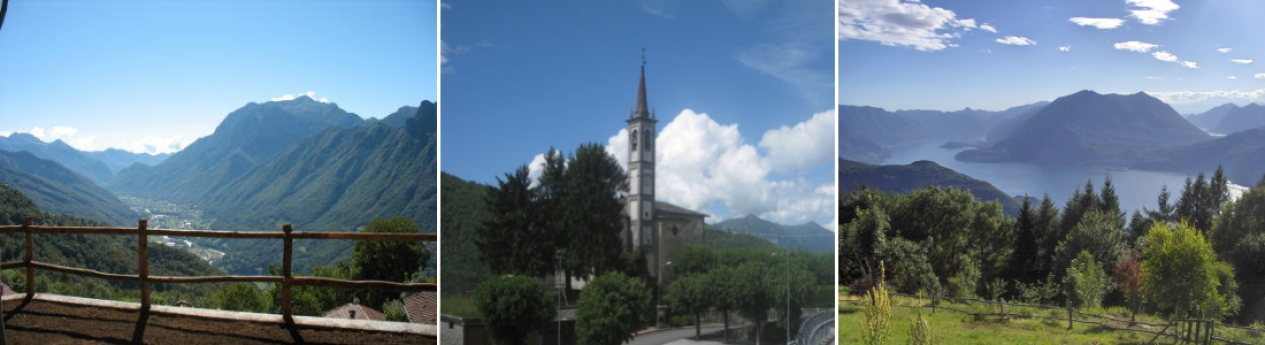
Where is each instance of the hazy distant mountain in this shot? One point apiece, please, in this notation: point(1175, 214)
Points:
point(904, 179)
point(883, 127)
point(57, 151)
point(810, 236)
point(1210, 118)
point(245, 139)
point(335, 180)
point(62, 191)
point(855, 146)
point(1087, 127)
point(1020, 115)
point(967, 124)
point(1242, 154)
point(117, 160)
point(1241, 119)
point(396, 119)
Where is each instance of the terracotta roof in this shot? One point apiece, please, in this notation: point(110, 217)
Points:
point(421, 307)
point(361, 312)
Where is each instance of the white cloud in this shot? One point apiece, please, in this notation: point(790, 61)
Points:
point(1164, 56)
point(1153, 77)
point(897, 23)
point(1067, 48)
point(1015, 40)
point(1242, 61)
point(1189, 64)
point(1151, 12)
point(535, 168)
point(1260, 76)
point(1136, 46)
point(987, 27)
point(789, 63)
point(288, 97)
point(155, 145)
point(1181, 97)
point(1100, 23)
point(1232, 77)
point(701, 163)
point(1223, 50)
point(803, 147)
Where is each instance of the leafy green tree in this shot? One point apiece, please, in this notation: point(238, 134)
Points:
point(315, 301)
point(513, 307)
point(394, 311)
point(612, 308)
point(1099, 233)
point(692, 294)
point(1077, 206)
point(797, 279)
point(1086, 282)
point(385, 260)
point(693, 259)
point(727, 292)
point(241, 297)
point(552, 191)
point(755, 297)
point(593, 212)
point(1179, 272)
point(515, 239)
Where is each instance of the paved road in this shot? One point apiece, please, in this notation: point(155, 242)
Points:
point(672, 335)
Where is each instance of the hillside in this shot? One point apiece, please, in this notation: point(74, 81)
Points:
point(1087, 127)
point(883, 127)
point(60, 190)
point(809, 236)
point(114, 254)
point(855, 146)
point(1241, 119)
point(967, 124)
point(903, 179)
point(1242, 154)
point(1209, 119)
point(245, 139)
point(117, 160)
point(336, 180)
point(463, 212)
point(1008, 125)
point(58, 151)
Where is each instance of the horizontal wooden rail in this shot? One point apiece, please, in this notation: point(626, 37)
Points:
point(286, 279)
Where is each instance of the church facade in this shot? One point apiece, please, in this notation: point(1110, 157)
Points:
point(657, 229)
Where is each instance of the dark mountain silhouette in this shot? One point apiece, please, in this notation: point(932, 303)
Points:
point(59, 190)
point(1242, 154)
point(1087, 127)
point(245, 139)
point(855, 146)
point(810, 236)
point(904, 179)
point(1241, 119)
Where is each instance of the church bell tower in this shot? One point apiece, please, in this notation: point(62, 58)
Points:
point(641, 134)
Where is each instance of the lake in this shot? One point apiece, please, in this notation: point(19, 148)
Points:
point(1136, 188)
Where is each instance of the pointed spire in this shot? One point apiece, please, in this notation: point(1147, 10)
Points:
point(642, 109)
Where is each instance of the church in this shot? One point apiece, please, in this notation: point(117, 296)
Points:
point(657, 228)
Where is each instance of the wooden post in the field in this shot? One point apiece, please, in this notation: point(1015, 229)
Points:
point(142, 265)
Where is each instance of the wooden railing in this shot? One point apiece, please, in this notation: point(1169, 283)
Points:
point(286, 279)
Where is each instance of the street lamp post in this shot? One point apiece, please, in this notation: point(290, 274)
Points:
point(561, 290)
point(659, 307)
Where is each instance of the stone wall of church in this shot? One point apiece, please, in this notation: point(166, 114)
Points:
point(673, 235)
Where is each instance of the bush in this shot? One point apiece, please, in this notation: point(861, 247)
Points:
point(611, 308)
point(513, 307)
point(681, 321)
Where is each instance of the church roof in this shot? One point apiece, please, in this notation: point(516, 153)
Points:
point(642, 109)
point(664, 207)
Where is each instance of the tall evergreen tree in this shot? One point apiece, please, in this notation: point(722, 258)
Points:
point(593, 212)
point(1023, 264)
point(552, 189)
point(514, 238)
point(1109, 202)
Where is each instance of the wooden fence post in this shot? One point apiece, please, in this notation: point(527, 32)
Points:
point(1069, 316)
point(30, 256)
point(142, 267)
point(285, 271)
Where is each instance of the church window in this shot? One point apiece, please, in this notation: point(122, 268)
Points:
point(634, 140)
point(648, 139)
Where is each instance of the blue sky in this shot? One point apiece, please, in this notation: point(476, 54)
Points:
point(725, 77)
point(154, 75)
point(938, 54)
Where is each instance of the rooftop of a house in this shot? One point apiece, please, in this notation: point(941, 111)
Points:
point(422, 307)
point(355, 311)
point(56, 319)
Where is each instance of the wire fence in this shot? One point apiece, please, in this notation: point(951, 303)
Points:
point(1188, 331)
